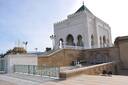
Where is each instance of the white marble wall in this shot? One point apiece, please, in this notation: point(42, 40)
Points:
point(84, 24)
point(20, 59)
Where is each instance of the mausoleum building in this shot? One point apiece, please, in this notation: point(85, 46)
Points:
point(82, 29)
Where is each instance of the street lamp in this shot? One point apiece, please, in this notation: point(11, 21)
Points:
point(52, 37)
point(25, 44)
point(36, 49)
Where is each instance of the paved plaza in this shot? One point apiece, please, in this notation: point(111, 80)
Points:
point(79, 80)
point(21, 79)
point(92, 80)
point(6, 83)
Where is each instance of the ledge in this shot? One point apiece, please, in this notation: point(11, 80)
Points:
point(90, 70)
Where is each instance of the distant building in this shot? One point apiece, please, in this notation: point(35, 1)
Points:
point(82, 29)
point(19, 59)
point(17, 56)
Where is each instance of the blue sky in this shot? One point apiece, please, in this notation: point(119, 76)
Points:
point(32, 20)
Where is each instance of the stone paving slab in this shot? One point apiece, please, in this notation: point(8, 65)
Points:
point(15, 81)
point(6, 83)
point(79, 80)
point(92, 80)
point(33, 78)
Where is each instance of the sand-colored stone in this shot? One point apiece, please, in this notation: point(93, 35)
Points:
point(91, 70)
point(92, 80)
point(2, 82)
point(65, 57)
point(122, 44)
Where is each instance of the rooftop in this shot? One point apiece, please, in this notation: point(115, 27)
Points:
point(83, 8)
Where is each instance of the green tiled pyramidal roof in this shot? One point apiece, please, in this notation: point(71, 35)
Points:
point(83, 8)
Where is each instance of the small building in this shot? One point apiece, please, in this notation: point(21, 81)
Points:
point(122, 44)
point(19, 59)
point(17, 56)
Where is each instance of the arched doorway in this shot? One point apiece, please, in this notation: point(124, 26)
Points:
point(70, 40)
point(107, 42)
point(104, 41)
point(100, 41)
point(79, 42)
point(61, 43)
point(92, 41)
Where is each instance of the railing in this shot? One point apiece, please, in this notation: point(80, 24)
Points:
point(49, 52)
point(73, 47)
point(44, 71)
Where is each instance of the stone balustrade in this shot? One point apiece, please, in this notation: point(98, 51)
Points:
point(90, 70)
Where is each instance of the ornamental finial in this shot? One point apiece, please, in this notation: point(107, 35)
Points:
point(83, 2)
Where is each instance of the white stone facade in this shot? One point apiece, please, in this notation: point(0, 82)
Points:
point(82, 29)
point(20, 59)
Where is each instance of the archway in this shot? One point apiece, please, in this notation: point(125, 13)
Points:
point(104, 41)
point(100, 41)
point(92, 41)
point(61, 43)
point(70, 40)
point(108, 42)
point(79, 42)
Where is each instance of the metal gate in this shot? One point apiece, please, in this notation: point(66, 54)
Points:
point(43, 70)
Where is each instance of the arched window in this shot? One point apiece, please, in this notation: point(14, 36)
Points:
point(70, 40)
point(61, 43)
point(100, 41)
point(107, 42)
point(79, 42)
point(104, 41)
point(92, 41)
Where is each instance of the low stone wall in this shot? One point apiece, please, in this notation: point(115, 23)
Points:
point(64, 57)
point(90, 70)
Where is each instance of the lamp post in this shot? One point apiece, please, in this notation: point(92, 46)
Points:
point(36, 49)
point(25, 44)
point(52, 37)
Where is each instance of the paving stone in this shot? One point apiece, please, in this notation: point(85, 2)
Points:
point(79, 80)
